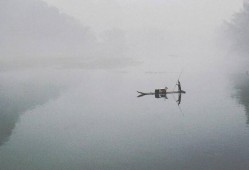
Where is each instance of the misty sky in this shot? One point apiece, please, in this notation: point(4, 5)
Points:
point(177, 15)
point(156, 28)
point(90, 32)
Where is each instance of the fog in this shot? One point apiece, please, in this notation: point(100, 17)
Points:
point(92, 33)
point(157, 29)
point(70, 71)
point(235, 40)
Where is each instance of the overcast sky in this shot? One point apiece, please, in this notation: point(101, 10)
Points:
point(169, 15)
point(136, 29)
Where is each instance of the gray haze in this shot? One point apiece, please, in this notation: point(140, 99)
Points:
point(126, 33)
point(236, 40)
point(34, 34)
point(69, 72)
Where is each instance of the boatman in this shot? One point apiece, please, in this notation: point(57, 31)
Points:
point(179, 86)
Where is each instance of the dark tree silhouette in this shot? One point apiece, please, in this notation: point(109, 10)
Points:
point(237, 31)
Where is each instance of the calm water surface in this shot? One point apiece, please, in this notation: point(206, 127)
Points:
point(78, 119)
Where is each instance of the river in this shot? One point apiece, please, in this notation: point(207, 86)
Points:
point(92, 119)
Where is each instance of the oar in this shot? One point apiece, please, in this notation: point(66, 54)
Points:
point(178, 79)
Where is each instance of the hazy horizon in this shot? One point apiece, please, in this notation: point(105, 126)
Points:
point(90, 34)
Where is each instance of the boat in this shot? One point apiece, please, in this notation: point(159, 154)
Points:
point(162, 93)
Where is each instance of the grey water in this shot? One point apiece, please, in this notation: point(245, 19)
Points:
point(92, 119)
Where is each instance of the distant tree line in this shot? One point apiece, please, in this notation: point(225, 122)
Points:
point(237, 30)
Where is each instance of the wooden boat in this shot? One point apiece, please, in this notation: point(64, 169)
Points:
point(162, 93)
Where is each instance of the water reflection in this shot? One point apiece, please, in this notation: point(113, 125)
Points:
point(17, 97)
point(242, 92)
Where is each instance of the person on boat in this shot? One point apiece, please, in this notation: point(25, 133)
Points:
point(179, 86)
point(166, 89)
